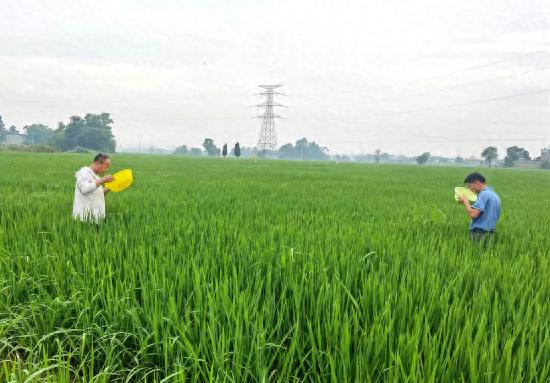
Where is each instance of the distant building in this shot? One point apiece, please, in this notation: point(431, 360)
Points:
point(527, 164)
point(15, 139)
point(545, 154)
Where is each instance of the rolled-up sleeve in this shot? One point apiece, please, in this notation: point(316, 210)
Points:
point(86, 184)
point(481, 202)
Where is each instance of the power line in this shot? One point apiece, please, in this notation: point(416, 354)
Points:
point(480, 101)
point(136, 106)
point(467, 69)
point(457, 86)
point(177, 100)
point(436, 140)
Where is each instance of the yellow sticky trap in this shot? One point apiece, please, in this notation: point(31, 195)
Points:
point(121, 181)
point(462, 191)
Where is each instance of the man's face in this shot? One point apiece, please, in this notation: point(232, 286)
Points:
point(475, 186)
point(102, 168)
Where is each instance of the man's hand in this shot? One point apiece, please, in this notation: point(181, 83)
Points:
point(472, 212)
point(101, 181)
point(464, 200)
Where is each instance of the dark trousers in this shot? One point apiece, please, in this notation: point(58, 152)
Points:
point(481, 236)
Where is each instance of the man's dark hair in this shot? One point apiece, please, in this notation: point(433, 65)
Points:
point(100, 157)
point(473, 177)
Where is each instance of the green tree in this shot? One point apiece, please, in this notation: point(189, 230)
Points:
point(182, 150)
point(490, 154)
point(13, 130)
point(211, 149)
point(287, 151)
point(3, 130)
point(224, 150)
point(316, 152)
point(93, 131)
point(237, 150)
point(377, 156)
point(304, 150)
point(423, 158)
point(60, 127)
point(515, 153)
point(301, 148)
point(195, 152)
point(38, 134)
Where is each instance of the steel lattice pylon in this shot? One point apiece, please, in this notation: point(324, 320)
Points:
point(268, 136)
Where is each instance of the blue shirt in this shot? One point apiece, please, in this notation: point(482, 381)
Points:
point(488, 203)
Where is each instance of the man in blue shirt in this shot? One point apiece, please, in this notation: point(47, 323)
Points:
point(485, 211)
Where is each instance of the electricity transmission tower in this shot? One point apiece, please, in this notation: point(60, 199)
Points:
point(268, 136)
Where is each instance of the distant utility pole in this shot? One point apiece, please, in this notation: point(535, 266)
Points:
point(268, 136)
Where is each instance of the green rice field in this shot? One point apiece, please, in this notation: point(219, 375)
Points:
point(225, 270)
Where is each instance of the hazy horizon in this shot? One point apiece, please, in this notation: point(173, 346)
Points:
point(432, 76)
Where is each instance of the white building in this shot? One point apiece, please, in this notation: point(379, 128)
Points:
point(15, 139)
point(545, 154)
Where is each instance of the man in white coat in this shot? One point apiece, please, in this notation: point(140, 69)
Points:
point(89, 193)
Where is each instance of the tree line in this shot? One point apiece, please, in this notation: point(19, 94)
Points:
point(513, 155)
point(91, 132)
point(490, 156)
point(302, 149)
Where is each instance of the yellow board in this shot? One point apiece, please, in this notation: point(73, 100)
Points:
point(122, 180)
point(461, 191)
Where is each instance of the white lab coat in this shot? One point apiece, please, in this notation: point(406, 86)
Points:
point(89, 199)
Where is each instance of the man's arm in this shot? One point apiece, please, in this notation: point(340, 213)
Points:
point(88, 184)
point(101, 181)
point(471, 211)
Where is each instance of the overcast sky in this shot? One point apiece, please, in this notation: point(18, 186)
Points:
point(449, 77)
